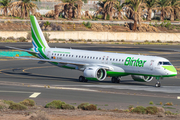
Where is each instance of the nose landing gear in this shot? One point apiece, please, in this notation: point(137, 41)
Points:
point(158, 83)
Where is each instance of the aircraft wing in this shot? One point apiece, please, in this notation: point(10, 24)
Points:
point(52, 60)
point(22, 50)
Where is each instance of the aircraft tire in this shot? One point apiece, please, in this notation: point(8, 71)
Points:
point(158, 84)
point(113, 79)
point(81, 78)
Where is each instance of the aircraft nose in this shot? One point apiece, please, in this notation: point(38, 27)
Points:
point(171, 69)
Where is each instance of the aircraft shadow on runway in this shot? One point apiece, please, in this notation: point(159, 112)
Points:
point(46, 77)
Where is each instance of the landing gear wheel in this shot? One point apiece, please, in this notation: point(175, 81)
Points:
point(115, 80)
point(81, 78)
point(158, 84)
point(85, 80)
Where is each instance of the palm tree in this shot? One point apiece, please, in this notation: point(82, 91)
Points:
point(175, 5)
point(26, 6)
point(109, 5)
point(163, 6)
point(135, 7)
point(70, 7)
point(150, 5)
point(79, 6)
point(102, 9)
point(4, 5)
point(119, 8)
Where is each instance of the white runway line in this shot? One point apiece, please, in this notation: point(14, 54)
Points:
point(34, 95)
point(15, 91)
point(178, 97)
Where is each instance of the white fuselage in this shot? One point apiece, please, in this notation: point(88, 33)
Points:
point(128, 63)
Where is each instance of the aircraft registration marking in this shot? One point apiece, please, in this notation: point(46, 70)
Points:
point(34, 95)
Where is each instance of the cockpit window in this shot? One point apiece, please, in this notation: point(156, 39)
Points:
point(164, 63)
point(160, 63)
point(167, 63)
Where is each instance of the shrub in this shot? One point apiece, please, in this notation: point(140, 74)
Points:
point(169, 104)
point(67, 106)
point(22, 39)
point(69, 23)
point(151, 110)
point(82, 105)
point(107, 17)
point(91, 107)
point(168, 113)
point(139, 110)
point(87, 106)
point(55, 104)
point(151, 103)
point(28, 102)
point(29, 36)
point(88, 25)
point(99, 16)
point(8, 102)
point(3, 105)
point(17, 106)
point(11, 38)
point(39, 116)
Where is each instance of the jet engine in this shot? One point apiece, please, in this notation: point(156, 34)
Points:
point(95, 73)
point(140, 78)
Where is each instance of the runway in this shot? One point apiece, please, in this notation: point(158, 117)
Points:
point(20, 79)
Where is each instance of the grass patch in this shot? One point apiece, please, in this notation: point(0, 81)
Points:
point(151, 110)
point(68, 107)
point(28, 102)
point(57, 104)
point(139, 110)
point(87, 106)
point(17, 106)
point(151, 103)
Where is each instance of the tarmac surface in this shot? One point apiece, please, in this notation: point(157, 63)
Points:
point(21, 79)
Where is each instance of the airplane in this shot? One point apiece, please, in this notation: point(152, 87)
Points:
point(98, 65)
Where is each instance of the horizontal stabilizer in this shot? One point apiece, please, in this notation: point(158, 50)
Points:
point(22, 49)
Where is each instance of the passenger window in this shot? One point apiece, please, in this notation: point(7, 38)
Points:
point(72, 55)
point(79, 56)
point(52, 53)
point(119, 59)
point(96, 57)
point(113, 59)
point(93, 57)
point(84, 56)
point(110, 59)
point(76, 56)
point(88, 57)
point(106, 58)
point(63, 54)
point(66, 55)
point(99, 58)
point(60, 54)
point(69, 55)
point(116, 59)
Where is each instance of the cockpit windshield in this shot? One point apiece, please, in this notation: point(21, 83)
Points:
point(164, 63)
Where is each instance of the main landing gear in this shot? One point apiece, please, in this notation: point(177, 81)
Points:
point(82, 79)
point(115, 79)
point(158, 83)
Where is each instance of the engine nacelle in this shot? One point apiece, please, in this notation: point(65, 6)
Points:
point(140, 78)
point(95, 73)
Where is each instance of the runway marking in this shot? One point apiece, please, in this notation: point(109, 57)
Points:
point(34, 95)
point(178, 97)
